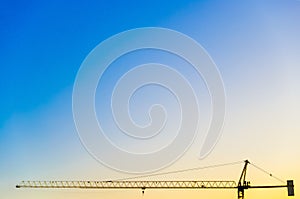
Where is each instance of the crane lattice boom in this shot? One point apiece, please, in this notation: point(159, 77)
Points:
point(129, 184)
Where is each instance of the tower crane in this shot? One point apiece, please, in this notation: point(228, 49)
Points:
point(241, 185)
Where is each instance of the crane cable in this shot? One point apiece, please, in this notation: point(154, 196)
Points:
point(268, 173)
point(181, 171)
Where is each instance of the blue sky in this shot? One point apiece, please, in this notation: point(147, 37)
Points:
point(45, 42)
point(255, 45)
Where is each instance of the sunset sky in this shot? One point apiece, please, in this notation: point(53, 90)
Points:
point(255, 45)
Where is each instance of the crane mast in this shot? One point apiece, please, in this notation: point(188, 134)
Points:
point(241, 185)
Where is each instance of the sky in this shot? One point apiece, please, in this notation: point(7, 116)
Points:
point(255, 45)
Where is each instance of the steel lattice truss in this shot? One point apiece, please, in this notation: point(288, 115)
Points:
point(129, 184)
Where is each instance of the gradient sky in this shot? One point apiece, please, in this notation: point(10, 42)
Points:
point(255, 45)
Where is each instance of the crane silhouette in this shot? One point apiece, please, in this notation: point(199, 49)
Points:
point(240, 186)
